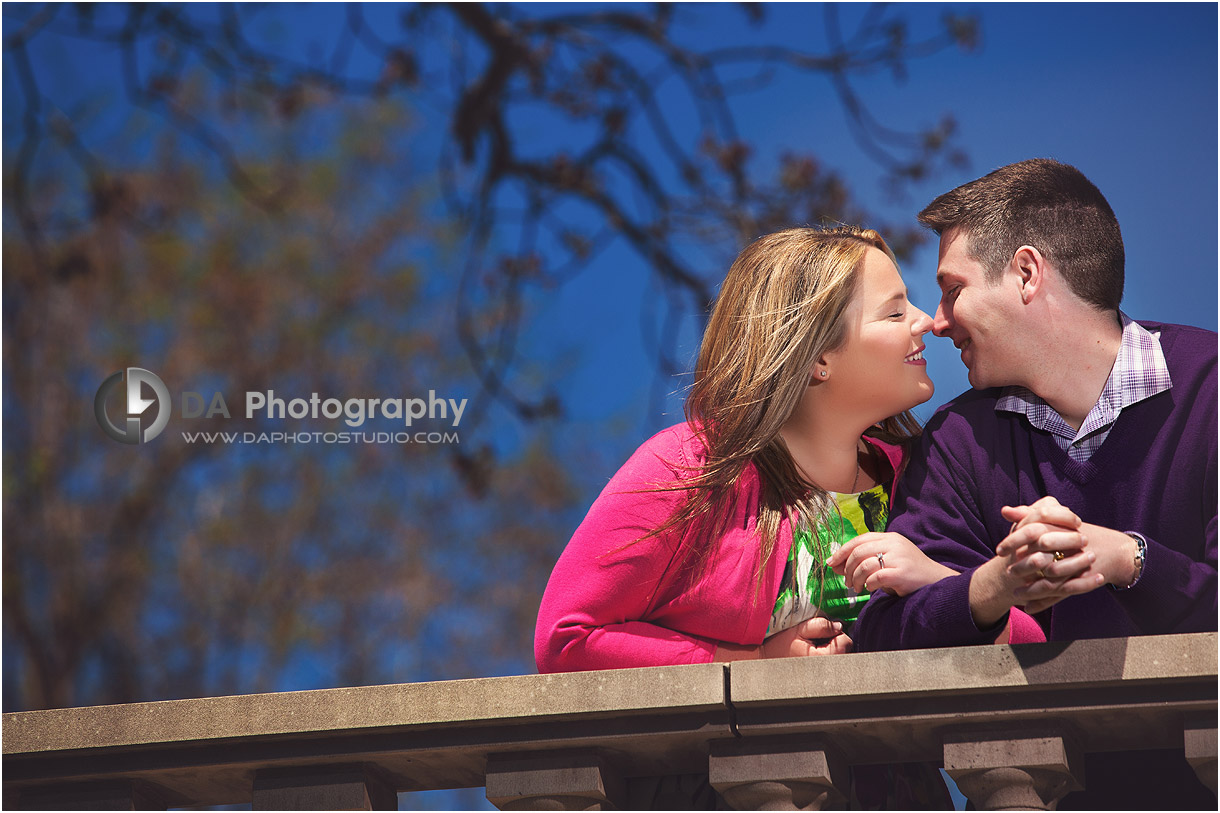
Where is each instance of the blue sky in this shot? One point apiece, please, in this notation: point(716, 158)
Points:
point(1125, 92)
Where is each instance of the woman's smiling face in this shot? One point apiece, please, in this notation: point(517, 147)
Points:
point(880, 365)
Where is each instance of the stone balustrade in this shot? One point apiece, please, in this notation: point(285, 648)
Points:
point(1010, 723)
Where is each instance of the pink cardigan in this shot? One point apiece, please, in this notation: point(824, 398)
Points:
point(599, 610)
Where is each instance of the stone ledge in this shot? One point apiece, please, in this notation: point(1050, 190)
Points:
point(975, 668)
point(498, 700)
point(876, 707)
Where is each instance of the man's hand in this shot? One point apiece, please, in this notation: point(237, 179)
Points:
point(1025, 570)
point(1054, 554)
point(1115, 554)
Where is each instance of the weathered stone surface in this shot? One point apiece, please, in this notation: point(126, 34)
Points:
point(976, 750)
point(789, 795)
point(553, 781)
point(645, 723)
point(779, 774)
point(964, 669)
point(422, 736)
point(349, 787)
point(1200, 746)
point(1018, 770)
point(1158, 657)
point(411, 704)
point(1103, 685)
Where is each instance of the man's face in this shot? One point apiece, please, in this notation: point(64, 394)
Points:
point(982, 319)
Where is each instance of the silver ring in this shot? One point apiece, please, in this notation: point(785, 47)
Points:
point(881, 559)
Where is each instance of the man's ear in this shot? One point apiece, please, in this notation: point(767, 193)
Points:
point(1029, 265)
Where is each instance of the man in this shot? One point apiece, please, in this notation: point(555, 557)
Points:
point(1077, 479)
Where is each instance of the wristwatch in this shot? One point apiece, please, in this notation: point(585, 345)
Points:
point(1141, 552)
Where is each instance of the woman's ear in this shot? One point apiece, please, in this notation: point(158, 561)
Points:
point(821, 372)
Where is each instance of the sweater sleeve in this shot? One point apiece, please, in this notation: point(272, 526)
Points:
point(606, 581)
point(1177, 590)
point(1174, 593)
point(935, 510)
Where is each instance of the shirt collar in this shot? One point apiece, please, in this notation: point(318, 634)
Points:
point(1139, 372)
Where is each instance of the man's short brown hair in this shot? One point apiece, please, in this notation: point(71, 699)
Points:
point(1045, 204)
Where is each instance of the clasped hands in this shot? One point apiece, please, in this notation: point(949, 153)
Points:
point(1048, 555)
point(1051, 554)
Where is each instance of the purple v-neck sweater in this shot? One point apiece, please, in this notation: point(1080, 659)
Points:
point(1155, 474)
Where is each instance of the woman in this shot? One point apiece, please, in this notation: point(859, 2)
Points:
point(712, 542)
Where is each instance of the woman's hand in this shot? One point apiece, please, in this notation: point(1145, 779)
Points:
point(886, 561)
point(814, 636)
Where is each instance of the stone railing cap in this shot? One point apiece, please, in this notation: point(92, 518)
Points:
point(491, 700)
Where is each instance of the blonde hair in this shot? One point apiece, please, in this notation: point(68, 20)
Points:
point(781, 307)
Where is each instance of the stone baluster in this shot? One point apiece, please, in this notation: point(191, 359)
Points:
point(1018, 770)
point(323, 787)
point(1200, 741)
point(778, 774)
point(568, 780)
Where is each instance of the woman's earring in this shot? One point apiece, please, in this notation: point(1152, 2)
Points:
point(823, 373)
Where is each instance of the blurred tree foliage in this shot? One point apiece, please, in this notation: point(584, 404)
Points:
point(239, 212)
point(178, 569)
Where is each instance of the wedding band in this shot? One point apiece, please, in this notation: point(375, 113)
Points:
point(1060, 555)
point(1040, 574)
point(881, 559)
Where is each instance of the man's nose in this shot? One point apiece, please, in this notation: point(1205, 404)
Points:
point(941, 324)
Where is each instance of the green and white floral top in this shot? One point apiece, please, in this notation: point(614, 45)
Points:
point(808, 585)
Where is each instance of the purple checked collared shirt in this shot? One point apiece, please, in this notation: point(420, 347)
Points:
point(1139, 372)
